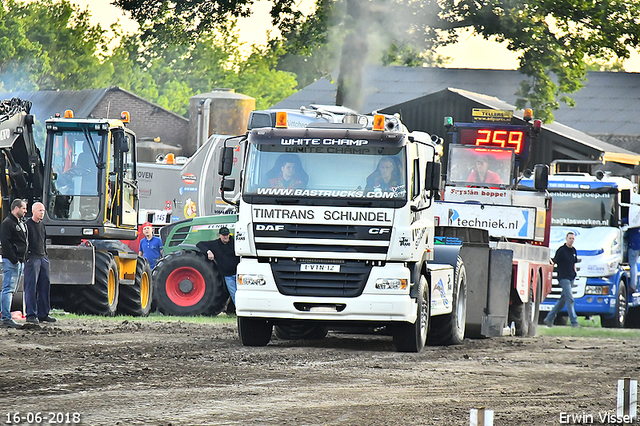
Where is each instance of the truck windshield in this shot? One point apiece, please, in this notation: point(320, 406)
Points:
point(585, 209)
point(74, 174)
point(334, 172)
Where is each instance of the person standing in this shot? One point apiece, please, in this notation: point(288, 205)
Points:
point(36, 269)
point(566, 258)
point(633, 241)
point(13, 236)
point(223, 252)
point(150, 246)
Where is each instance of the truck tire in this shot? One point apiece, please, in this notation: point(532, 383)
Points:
point(520, 313)
point(411, 337)
point(136, 299)
point(254, 331)
point(100, 298)
point(533, 324)
point(300, 331)
point(449, 329)
point(185, 283)
point(620, 316)
point(633, 318)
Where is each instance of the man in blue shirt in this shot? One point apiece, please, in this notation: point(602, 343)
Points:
point(150, 246)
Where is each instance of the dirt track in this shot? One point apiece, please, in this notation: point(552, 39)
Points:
point(161, 373)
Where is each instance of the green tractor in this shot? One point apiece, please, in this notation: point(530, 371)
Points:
point(185, 281)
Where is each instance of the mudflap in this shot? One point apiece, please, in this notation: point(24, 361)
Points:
point(488, 285)
point(71, 265)
point(499, 285)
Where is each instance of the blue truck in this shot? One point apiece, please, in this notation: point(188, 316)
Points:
point(598, 209)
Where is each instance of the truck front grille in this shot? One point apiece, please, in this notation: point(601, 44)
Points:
point(349, 282)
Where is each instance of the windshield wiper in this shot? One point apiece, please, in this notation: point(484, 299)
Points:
point(289, 201)
point(360, 203)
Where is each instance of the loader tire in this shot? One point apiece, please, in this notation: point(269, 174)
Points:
point(136, 299)
point(449, 329)
point(100, 298)
point(186, 283)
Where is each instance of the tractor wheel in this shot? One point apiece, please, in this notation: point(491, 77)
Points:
point(186, 283)
point(136, 299)
point(100, 298)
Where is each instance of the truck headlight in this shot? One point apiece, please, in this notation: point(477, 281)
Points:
point(596, 289)
point(391, 284)
point(246, 279)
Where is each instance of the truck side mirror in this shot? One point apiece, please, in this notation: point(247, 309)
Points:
point(226, 161)
point(433, 178)
point(120, 140)
point(227, 185)
point(541, 177)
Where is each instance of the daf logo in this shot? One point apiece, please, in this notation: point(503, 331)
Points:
point(5, 134)
point(270, 228)
point(379, 231)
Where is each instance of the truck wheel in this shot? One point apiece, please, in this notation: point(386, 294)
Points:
point(300, 331)
point(520, 313)
point(136, 299)
point(185, 283)
point(533, 324)
point(633, 318)
point(618, 319)
point(100, 298)
point(411, 337)
point(254, 331)
point(449, 329)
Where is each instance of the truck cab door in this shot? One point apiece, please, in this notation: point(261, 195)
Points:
point(122, 187)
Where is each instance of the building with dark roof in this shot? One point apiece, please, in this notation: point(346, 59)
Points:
point(603, 121)
point(157, 129)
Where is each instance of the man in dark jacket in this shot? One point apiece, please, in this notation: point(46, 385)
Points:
point(223, 252)
point(36, 269)
point(566, 258)
point(13, 236)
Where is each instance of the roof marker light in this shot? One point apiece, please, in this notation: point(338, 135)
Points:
point(281, 120)
point(378, 122)
point(448, 122)
point(537, 125)
point(68, 113)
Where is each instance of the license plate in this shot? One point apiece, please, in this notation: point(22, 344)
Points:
point(546, 307)
point(319, 267)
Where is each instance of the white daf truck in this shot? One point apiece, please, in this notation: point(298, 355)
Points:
point(336, 229)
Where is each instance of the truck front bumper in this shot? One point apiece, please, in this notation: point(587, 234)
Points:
point(373, 305)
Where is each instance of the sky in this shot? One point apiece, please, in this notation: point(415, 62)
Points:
point(470, 52)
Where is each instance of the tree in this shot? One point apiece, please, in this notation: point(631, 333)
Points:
point(50, 45)
point(18, 65)
point(169, 74)
point(553, 38)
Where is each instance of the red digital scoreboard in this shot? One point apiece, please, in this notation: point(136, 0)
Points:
point(515, 137)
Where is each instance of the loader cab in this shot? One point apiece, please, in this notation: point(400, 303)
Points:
point(90, 190)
